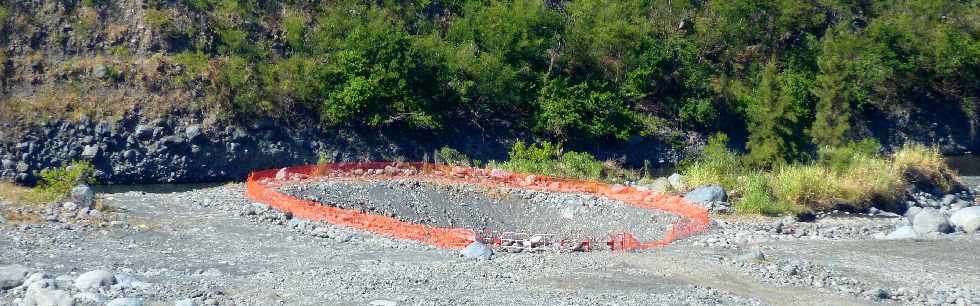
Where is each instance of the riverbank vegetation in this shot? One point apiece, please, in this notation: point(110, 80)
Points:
point(785, 76)
point(854, 176)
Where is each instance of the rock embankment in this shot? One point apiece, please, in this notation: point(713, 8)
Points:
point(135, 149)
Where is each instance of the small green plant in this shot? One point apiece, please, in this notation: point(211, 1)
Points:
point(548, 159)
point(59, 181)
point(452, 157)
point(323, 159)
point(716, 165)
point(159, 19)
point(3, 15)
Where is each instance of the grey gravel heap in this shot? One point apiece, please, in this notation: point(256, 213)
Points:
point(569, 215)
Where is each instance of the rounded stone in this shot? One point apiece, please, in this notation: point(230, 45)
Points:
point(93, 280)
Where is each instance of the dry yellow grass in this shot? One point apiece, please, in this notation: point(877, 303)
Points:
point(920, 164)
point(19, 195)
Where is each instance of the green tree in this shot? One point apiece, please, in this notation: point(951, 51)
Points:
point(772, 121)
point(850, 68)
point(583, 111)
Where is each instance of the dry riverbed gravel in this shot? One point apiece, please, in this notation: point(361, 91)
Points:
point(212, 246)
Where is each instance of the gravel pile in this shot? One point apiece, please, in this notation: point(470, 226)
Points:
point(567, 215)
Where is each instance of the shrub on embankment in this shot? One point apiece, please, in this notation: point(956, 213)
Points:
point(547, 159)
point(853, 176)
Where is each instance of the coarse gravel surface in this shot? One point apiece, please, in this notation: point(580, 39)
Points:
point(214, 246)
point(574, 216)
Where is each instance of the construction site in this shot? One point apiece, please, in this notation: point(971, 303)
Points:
point(392, 233)
point(454, 206)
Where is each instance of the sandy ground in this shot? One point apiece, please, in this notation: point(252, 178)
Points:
point(198, 244)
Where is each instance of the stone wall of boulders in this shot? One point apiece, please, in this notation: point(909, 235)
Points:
point(136, 149)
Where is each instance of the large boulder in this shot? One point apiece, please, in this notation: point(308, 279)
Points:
point(38, 296)
point(964, 216)
point(972, 226)
point(930, 220)
point(477, 250)
point(83, 195)
point(660, 185)
point(904, 232)
point(93, 280)
point(192, 132)
point(912, 211)
point(707, 194)
point(676, 181)
point(12, 276)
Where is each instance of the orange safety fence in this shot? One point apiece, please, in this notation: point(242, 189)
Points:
point(262, 187)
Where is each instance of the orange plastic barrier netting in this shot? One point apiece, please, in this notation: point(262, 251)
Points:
point(262, 187)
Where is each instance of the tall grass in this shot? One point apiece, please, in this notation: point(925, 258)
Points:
point(716, 166)
point(812, 186)
point(925, 168)
point(757, 197)
point(855, 176)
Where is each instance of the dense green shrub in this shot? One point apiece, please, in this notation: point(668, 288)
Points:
point(59, 181)
point(548, 159)
point(791, 75)
point(452, 157)
point(583, 110)
point(3, 15)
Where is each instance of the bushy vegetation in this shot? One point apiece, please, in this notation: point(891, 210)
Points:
point(794, 76)
point(549, 159)
point(853, 176)
point(452, 157)
point(59, 181)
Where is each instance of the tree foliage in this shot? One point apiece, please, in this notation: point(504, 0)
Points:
point(789, 74)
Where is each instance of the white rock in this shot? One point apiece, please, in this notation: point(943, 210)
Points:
point(83, 196)
point(281, 174)
point(12, 276)
point(185, 302)
point(47, 297)
point(676, 181)
point(39, 280)
point(71, 206)
point(904, 232)
point(477, 250)
point(383, 303)
point(930, 220)
point(972, 226)
point(93, 280)
point(125, 302)
point(127, 281)
point(964, 216)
